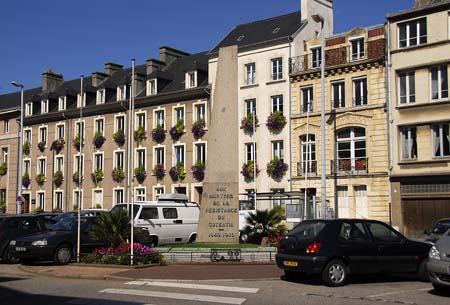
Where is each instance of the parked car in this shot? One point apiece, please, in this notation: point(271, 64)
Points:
point(90, 212)
point(58, 244)
point(439, 263)
point(340, 247)
point(438, 230)
point(13, 226)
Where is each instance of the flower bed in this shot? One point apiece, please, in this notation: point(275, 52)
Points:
point(57, 145)
point(198, 171)
point(159, 171)
point(98, 140)
point(247, 123)
point(276, 168)
point(276, 122)
point(198, 129)
point(158, 134)
point(119, 137)
point(177, 173)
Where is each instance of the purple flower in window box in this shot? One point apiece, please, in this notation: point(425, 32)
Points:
point(58, 145)
point(140, 174)
point(77, 143)
point(276, 122)
point(140, 135)
point(26, 148)
point(198, 171)
point(177, 172)
point(177, 131)
point(41, 146)
point(158, 134)
point(40, 179)
point(118, 175)
point(198, 129)
point(26, 180)
point(119, 137)
point(98, 140)
point(97, 176)
point(248, 171)
point(76, 178)
point(276, 168)
point(247, 123)
point(159, 171)
point(58, 178)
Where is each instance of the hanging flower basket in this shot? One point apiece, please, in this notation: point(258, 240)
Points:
point(247, 123)
point(118, 175)
point(140, 135)
point(58, 178)
point(26, 148)
point(159, 134)
point(76, 178)
point(198, 171)
point(77, 143)
point(198, 129)
point(3, 168)
point(276, 168)
point(177, 131)
point(248, 171)
point(58, 145)
point(276, 122)
point(98, 140)
point(140, 174)
point(177, 173)
point(26, 180)
point(40, 179)
point(41, 146)
point(159, 171)
point(97, 176)
point(119, 137)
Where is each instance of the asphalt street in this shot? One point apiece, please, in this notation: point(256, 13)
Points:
point(18, 287)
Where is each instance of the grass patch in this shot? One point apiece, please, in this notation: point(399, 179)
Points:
point(218, 246)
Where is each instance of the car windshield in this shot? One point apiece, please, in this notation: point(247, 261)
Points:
point(67, 224)
point(441, 227)
point(307, 230)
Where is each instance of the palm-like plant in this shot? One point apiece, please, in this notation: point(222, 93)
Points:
point(262, 224)
point(112, 227)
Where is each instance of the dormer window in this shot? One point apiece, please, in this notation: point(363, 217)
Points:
point(62, 103)
point(81, 102)
point(122, 93)
point(357, 49)
point(44, 106)
point(191, 79)
point(316, 59)
point(152, 87)
point(101, 96)
point(29, 109)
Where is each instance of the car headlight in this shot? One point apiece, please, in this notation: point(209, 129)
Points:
point(434, 253)
point(12, 243)
point(42, 242)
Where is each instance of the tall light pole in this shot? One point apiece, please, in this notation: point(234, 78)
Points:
point(319, 19)
point(19, 161)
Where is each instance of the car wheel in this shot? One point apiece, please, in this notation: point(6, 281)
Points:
point(153, 241)
point(439, 288)
point(243, 237)
point(335, 273)
point(63, 255)
point(422, 272)
point(9, 258)
point(192, 239)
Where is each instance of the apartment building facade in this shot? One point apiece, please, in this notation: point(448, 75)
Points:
point(264, 49)
point(357, 183)
point(79, 128)
point(420, 115)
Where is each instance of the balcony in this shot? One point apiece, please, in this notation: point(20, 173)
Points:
point(350, 166)
point(312, 168)
point(339, 56)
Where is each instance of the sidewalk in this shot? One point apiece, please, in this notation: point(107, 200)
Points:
point(171, 272)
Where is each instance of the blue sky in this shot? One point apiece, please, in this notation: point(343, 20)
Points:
point(78, 37)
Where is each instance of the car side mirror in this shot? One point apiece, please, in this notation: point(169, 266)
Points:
point(426, 232)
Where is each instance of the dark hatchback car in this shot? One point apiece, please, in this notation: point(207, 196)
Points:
point(13, 226)
point(442, 226)
point(59, 243)
point(339, 247)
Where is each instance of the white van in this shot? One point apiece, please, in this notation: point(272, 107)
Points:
point(170, 220)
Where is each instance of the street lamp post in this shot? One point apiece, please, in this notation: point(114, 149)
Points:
point(319, 19)
point(19, 161)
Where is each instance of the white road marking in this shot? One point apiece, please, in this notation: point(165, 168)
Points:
point(395, 292)
point(179, 296)
point(194, 286)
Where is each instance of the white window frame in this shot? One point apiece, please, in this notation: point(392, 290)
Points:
point(408, 33)
point(306, 149)
point(75, 163)
point(80, 125)
point(316, 56)
point(58, 163)
point(440, 82)
point(152, 86)
point(175, 114)
point(156, 120)
point(29, 109)
point(101, 96)
point(62, 103)
point(175, 153)
point(409, 139)
point(58, 126)
point(195, 112)
point(140, 117)
point(354, 82)
point(156, 192)
point(102, 125)
point(440, 130)
point(278, 149)
point(136, 156)
point(81, 103)
point(44, 106)
point(4, 154)
point(39, 203)
point(155, 155)
point(250, 106)
point(191, 79)
point(409, 97)
point(277, 102)
point(121, 93)
point(6, 126)
point(94, 191)
point(308, 90)
point(143, 196)
point(360, 41)
point(277, 68)
point(41, 168)
point(194, 151)
point(353, 139)
point(341, 98)
point(115, 193)
point(116, 159)
point(250, 73)
point(55, 200)
point(43, 137)
point(94, 159)
point(116, 122)
point(27, 131)
point(81, 193)
point(26, 166)
point(250, 152)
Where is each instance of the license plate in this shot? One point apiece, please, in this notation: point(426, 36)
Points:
point(290, 264)
point(21, 249)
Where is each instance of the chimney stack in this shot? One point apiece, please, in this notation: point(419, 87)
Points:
point(51, 80)
point(111, 68)
point(154, 65)
point(98, 78)
point(167, 54)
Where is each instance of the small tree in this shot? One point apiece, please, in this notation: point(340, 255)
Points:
point(112, 227)
point(262, 224)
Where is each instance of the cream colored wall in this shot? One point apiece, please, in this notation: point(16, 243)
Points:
point(9, 180)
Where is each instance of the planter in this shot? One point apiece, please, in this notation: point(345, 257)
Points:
point(26, 148)
point(77, 143)
point(177, 131)
point(159, 171)
point(276, 122)
point(97, 176)
point(3, 169)
point(276, 168)
point(159, 134)
point(198, 129)
point(40, 179)
point(57, 145)
point(119, 137)
point(118, 175)
point(140, 174)
point(41, 146)
point(198, 171)
point(26, 180)
point(76, 178)
point(98, 140)
point(140, 135)
point(247, 123)
point(58, 178)
point(248, 171)
point(177, 173)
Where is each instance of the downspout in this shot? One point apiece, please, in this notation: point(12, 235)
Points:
point(290, 116)
point(66, 159)
point(389, 116)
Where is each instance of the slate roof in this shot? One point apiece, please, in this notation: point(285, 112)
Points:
point(262, 31)
point(11, 101)
point(433, 3)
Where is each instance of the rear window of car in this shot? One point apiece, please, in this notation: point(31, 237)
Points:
point(170, 213)
point(149, 213)
point(308, 229)
point(441, 227)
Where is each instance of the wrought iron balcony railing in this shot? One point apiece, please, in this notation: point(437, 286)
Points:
point(350, 166)
point(312, 168)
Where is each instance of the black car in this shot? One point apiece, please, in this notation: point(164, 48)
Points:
point(442, 226)
point(13, 226)
point(58, 244)
point(339, 247)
